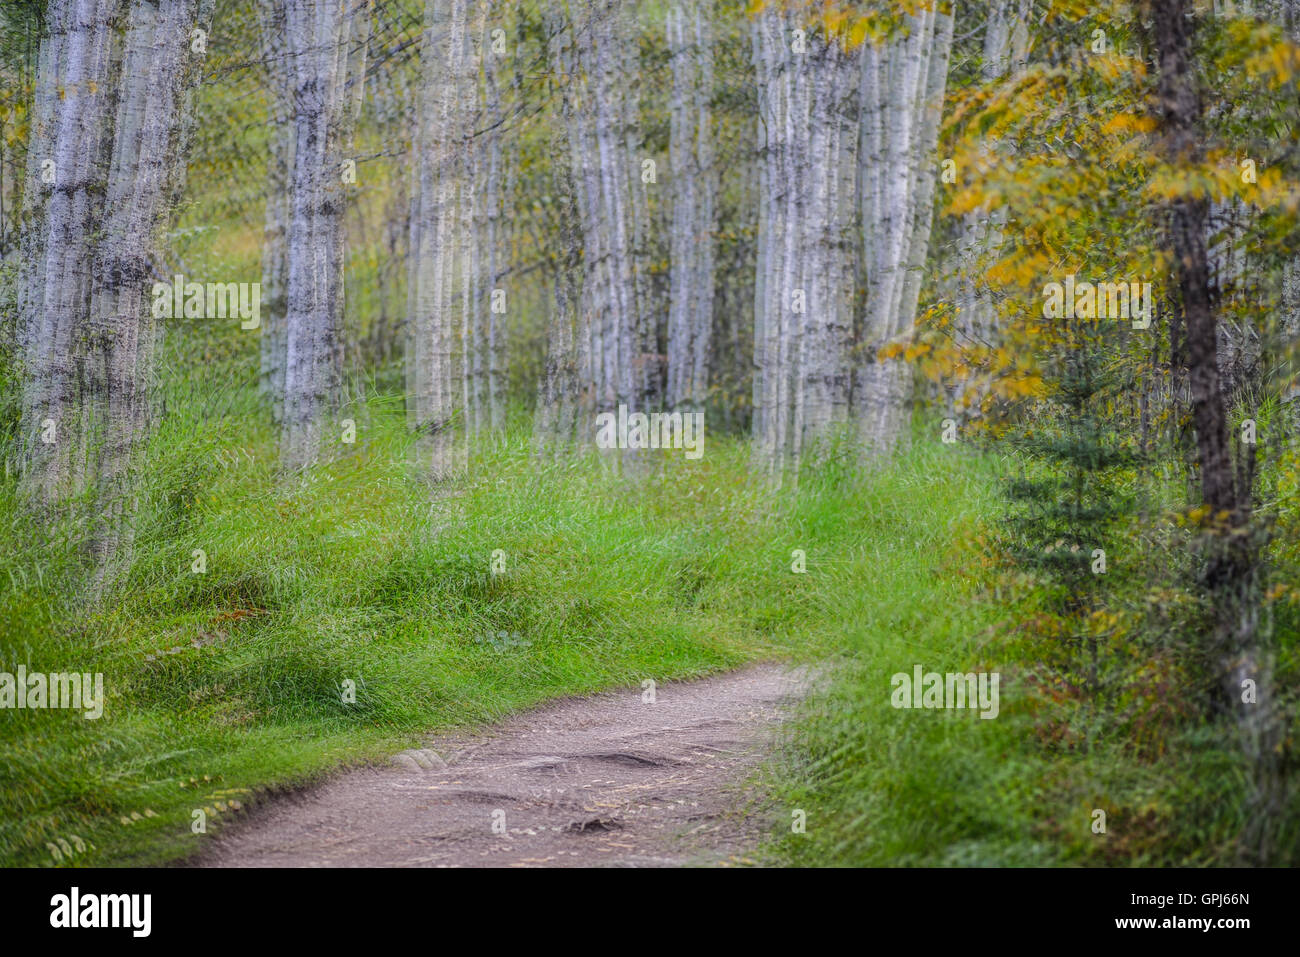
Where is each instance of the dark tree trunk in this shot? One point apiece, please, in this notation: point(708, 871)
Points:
point(1230, 576)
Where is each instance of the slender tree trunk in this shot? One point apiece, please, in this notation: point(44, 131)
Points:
point(106, 160)
point(566, 397)
point(694, 191)
point(445, 114)
point(773, 289)
point(493, 240)
point(275, 247)
point(902, 88)
point(1230, 576)
point(471, 214)
point(766, 165)
point(326, 44)
point(924, 185)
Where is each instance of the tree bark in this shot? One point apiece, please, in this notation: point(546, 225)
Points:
point(1230, 574)
point(902, 88)
point(445, 108)
point(566, 395)
point(109, 121)
point(275, 247)
point(606, 164)
point(694, 191)
point(67, 172)
point(326, 46)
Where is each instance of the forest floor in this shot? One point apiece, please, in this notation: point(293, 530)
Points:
point(610, 779)
point(250, 710)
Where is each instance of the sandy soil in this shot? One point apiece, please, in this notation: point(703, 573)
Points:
point(599, 781)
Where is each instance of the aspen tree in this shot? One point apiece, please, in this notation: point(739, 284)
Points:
point(694, 202)
point(902, 84)
point(1006, 37)
point(109, 131)
point(566, 395)
point(326, 48)
point(275, 249)
point(445, 113)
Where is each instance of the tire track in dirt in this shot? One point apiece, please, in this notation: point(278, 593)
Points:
point(607, 780)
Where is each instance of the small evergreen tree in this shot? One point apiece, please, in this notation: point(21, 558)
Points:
point(1070, 495)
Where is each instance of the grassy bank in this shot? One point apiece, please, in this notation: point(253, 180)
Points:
point(227, 685)
point(224, 684)
point(1136, 776)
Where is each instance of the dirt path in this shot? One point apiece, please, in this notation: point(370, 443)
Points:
point(605, 780)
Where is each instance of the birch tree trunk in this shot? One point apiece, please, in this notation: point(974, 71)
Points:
point(694, 186)
point(902, 87)
point(67, 173)
point(923, 217)
point(275, 248)
point(326, 46)
point(773, 98)
point(493, 243)
point(615, 352)
point(444, 105)
point(827, 248)
point(499, 245)
point(828, 148)
point(484, 239)
point(783, 75)
point(158, 68)
point(566, 396)
point(1006, 37)
point(106, 160)
point(471, 215)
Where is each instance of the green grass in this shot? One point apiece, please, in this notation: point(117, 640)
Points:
point(880, 786)
point(226, 686)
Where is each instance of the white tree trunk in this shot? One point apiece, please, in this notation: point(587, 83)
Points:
point(275, 248)
point(66, 175)
point(694, 192)
point(902, 87)
point(484, 238)
point(493, 238)
point(326, 46)
point(445, 108)
point(566, 397)
point(611, 201)
point(806, 249)
point(106, 159)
